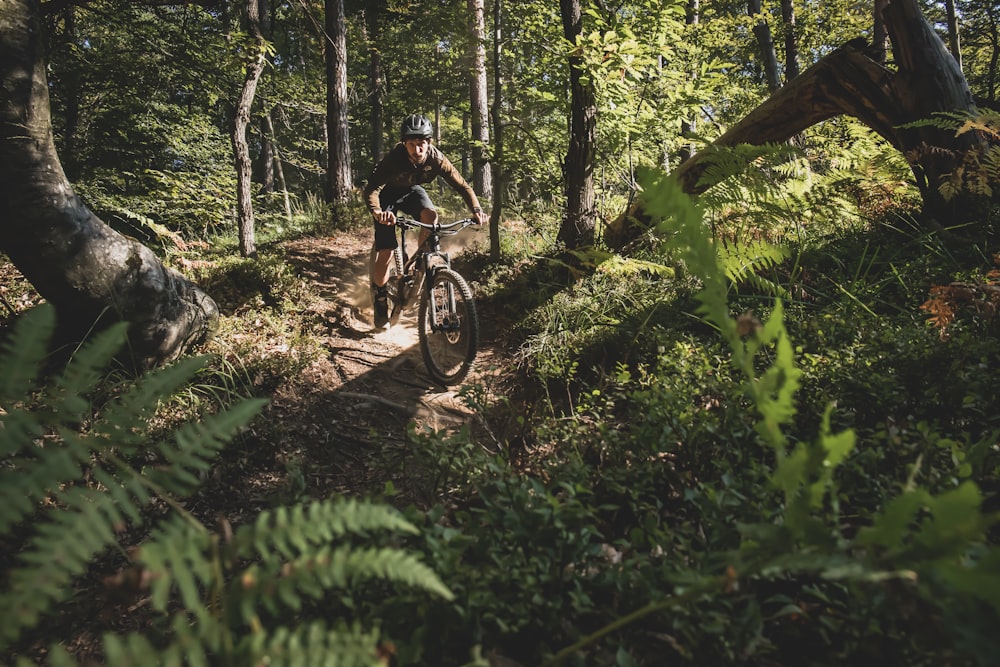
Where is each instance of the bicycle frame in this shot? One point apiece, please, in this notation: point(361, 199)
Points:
point(431, 258)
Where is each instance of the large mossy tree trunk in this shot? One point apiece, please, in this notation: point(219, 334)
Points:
point(90, 273)
point(852, 81)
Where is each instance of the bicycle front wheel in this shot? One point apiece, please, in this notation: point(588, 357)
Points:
point(449, 328)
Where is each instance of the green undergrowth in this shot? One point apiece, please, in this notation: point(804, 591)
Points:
point(795, 468)
point(743, 453)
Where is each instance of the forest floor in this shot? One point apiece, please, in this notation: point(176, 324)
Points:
point(343, 425)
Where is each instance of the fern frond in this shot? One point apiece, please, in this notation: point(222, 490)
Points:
point(195, 446)
point(84, 371)
point(176, 557)
point(60, 550)
point(279, 587)
point(626, 267)
point(121, 420)
point(134, 650)
point(741, 263)
point(290, 531)
point(22, 355)
point(312, 644)
point(727, 161)
point(31, 478)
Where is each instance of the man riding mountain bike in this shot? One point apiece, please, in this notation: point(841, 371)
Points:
point(395, 185)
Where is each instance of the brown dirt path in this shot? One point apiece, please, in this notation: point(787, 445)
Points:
point(343, 423)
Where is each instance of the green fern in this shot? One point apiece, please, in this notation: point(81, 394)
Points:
point(743, 262)
point(937, 542)
point(979, 171)
point(69, 467)
point(293, 556)
point(57, 450)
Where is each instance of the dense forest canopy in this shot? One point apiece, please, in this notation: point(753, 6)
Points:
point(742, 287)
point(156, 118)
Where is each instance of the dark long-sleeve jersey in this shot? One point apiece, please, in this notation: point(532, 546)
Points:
point(396, 171)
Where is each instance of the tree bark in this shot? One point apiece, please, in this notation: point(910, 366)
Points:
point(850, 82)
point(578, 228)
point(791, 40)
point(376, 84)
point(482, 178)
point(278, 169)
point(692, 16)
point(91, 274)
point(338, 134)
point(765, 43)
point(954, 38)
point(496, 212)
point(241, 150)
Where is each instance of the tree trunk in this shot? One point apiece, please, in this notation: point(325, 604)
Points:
point(577, 229)
point(991, 79)
point(791, 40)
point(482, 180)
point(91, 274)
point(338, 134)
point(278, 169)
point(765, 43)
point(880, 36)
point(850, 82)
point(241, 150)
point(496, 212)
point(954, 39)
point(376, 85)
point(692, 16)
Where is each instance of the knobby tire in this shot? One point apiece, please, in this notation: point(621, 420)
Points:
point(448, 354)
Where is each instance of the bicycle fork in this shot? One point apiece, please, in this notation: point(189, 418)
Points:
point(443, 307)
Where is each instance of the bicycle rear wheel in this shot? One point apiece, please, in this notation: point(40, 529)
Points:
point(449, 327)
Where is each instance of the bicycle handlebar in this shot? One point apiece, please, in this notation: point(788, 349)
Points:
point(439, 227)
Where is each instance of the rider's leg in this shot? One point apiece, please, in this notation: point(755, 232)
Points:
point(428, 216)
point(380, 275)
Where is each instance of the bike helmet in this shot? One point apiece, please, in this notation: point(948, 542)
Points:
point(416, 127)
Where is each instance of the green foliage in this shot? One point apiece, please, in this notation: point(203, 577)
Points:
point(720, 497)
point(743, 262)
point(979, 173)
point(52, 443)
point(80, 473)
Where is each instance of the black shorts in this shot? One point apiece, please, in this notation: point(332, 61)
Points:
point(410, 201)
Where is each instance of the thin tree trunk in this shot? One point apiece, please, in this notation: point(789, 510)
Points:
point(482, 180)
point(991, 79)
point(765, 43)
point(90, 273)
point(791, 40)
point(880, 35)
point(954, 39)
point(241, 150)
point(279, 171)
point(578, 228)
point(496, 213)
point(688, 125)
point(338, 134)
point(266, 156)
point(376, 85)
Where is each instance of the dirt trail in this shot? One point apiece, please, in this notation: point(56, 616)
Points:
point(348, 413)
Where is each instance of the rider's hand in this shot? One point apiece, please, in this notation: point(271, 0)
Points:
point(385, 217)
point(480, 217)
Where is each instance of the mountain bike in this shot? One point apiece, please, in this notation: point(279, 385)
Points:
point(448, 328)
